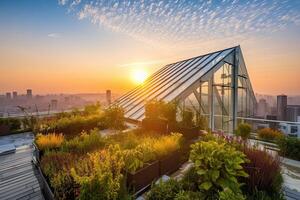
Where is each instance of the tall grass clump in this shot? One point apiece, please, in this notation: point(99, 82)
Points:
point(49, 141)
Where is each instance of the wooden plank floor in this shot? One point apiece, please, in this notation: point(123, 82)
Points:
point(18, 176)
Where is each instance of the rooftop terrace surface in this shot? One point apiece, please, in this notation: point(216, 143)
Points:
point(18, 176)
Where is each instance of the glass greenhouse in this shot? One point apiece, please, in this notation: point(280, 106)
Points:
point(214, 85)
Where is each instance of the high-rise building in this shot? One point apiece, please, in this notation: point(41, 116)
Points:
point(281, 107)
point(262, 108)
point(29, 93)
point(8, 95)
point(108, 97)
point(15, 95)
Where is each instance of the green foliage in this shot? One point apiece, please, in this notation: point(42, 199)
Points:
point(228, 194)
point(156, 109)
point(164, 190)
point(72, 126)
point(104, 178)
point(56, 166)
point(85, 142)
point(201, 122)
point(187, 118)
point(243, 130)
point(218, 166)
point(269, 134)
point(188, 195)
point(153, 109)
point(14, 124)
point(264, 172)
point(114, 117)
point(92, 109)
point(289, 147)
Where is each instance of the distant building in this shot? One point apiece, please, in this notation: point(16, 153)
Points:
point(292, 112)
point(262, 108)
point(281, 107)
point(8, 95)
point(108, 97)
point(54, 103)
point(272, 124)
point(15, 95)
point(29, 93)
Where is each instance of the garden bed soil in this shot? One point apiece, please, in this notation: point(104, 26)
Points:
point(143, 178)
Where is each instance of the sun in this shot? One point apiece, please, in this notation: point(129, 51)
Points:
point(139, 76)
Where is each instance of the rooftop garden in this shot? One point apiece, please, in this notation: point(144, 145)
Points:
point(77, 161)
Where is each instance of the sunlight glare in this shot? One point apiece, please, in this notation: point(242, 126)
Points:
point(139, 76)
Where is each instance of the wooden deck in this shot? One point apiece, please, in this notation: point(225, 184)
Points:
point(18, 176)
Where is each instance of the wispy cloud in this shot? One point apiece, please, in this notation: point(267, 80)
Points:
point(54, 35)
point(187, 22)
point(142, 64)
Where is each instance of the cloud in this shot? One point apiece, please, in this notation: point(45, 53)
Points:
point(54, 35)
point(62, 2)
point(189, 23)
point(142, 64)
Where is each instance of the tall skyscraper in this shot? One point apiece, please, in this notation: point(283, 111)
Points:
point(281, 107)
point(15, 95)
point(29, 93)
point(292, 112)
point(108, 97)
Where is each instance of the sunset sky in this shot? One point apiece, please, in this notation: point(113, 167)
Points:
point(73, 46)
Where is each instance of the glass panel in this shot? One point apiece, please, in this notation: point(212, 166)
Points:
point(167, 86)
point(164, 79)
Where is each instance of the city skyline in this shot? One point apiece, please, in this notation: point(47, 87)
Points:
point(84, 47)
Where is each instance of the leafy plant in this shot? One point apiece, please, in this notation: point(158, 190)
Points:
point(243, 130)
point(114, 117)
point(49, 141)
point(92, 109)
point(187, 118)
point(269, 134)
point(104, 179)
point(289, 147)
point(218, 166)
point(153, 109)
point(264, 172)
point(164, 190)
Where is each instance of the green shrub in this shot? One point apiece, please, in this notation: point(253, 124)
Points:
point(243, 130)
point(92, 109)
point(153, 109)
point(264, 172)
point(114, 117)
point(104, 179)
point(187, 118)
point(289, 147)
point(56, 166)
point(72, 126)
point(269, 134)
point(164, 190)
point(14, 124)
point(188, 195)
point(85, 142)
point(218, 166)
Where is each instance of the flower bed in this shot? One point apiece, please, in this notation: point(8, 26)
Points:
point(72, 167)
point(223, 168)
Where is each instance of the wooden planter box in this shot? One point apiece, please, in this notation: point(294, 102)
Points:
point(170, 163)
point(48, 194)
point(37, 154)
point(143, 178)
